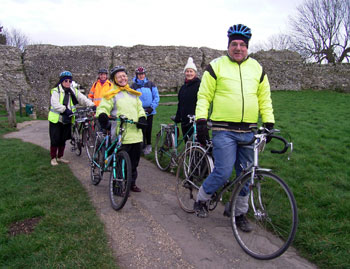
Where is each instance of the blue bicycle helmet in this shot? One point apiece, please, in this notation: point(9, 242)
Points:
point(239, 31)
point(66, 74)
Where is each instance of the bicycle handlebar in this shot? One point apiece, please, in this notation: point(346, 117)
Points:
point(123, 119)
point(269, 134)
point(285, 142)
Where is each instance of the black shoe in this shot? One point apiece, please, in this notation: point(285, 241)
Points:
point(201, 209)
point(134, 188)
point(243, 224)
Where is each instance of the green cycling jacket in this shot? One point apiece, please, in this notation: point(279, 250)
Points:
point(125, 103)
point(238, 92)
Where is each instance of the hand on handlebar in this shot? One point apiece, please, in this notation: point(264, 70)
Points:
point(269, 126)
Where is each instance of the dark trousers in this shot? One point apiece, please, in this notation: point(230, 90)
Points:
point(134, 151)
point(147, 132)
point(59, 133)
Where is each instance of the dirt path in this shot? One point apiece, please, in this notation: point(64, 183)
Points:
point(151, 231)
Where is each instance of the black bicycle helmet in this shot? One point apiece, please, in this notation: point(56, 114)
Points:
point(140, 70)
point(240, 29)
point(103, 71)
point(116, 69)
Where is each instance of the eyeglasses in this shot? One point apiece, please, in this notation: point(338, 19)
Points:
point(67, 80)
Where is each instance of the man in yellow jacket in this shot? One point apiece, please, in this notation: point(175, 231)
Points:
point(238, 90)
point(122, 100)
point(100, 87)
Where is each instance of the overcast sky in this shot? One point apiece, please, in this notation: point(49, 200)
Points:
point(202, 23)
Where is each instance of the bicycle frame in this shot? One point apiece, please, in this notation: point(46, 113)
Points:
point(259, 142)
point(115, 145)
point(173, 128)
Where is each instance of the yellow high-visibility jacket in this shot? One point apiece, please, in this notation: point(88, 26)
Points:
point(238, 92)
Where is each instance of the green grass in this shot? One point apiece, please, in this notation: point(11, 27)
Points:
point(68, 235)
point(318, 172)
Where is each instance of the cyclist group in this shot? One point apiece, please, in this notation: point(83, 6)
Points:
point(233, 91)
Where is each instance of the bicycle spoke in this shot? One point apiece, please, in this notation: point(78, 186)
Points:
point(272, 213)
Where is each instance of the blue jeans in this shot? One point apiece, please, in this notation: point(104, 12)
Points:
point(227, 154)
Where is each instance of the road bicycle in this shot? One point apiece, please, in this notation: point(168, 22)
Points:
point(169, 147)
point(272, 206)
point(109, 156)
point(83, 133)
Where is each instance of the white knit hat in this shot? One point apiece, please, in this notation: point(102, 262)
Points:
point(190, 64)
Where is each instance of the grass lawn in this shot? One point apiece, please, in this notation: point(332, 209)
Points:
point(318, 172)
point(70, 235)
point(46, 217)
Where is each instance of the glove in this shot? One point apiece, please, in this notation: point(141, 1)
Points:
point(268, 126)
point(142, 123)
point(149, 110)
point(66, 116)
point(67, 112)
point(94, 108)
point(202, 131)
point(103, 120)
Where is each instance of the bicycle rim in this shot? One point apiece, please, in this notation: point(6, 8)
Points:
point(89, 141)
point(194, 167)
point(77, 142)
point(96, 171)
point(275, 219)
point(162, 152)
point(120, 180)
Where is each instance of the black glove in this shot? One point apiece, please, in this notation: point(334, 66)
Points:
point(268, 126)
point(103, 120)
point(94, 108)
point(142, 123)
point(202, 131)
point(67, 112)
point(148, 110)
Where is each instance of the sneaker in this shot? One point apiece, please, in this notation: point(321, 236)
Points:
point(201, 209)
point(243, 224)
point(54, 162)
point(61, 160)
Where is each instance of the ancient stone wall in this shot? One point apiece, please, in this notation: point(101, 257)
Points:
point(34, 72)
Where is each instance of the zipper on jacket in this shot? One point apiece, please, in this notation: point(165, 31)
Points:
point(240, 75)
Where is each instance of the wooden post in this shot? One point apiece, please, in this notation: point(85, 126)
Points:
point(11, 111)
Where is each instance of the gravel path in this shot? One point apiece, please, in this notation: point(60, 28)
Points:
point(152, 231)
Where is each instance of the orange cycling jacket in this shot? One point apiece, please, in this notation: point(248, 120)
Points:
point(98, 90)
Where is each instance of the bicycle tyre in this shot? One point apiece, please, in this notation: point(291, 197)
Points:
point(77, 141)
point(194, 167)
point(96, 171)
point(275, 221)
point(162, 151)
point(120, 180)
point(89, 137)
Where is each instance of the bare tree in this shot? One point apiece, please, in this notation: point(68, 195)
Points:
point(321, 30)
point(16, 38)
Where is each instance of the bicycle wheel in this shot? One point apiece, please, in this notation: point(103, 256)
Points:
point(163, 150)
point(120, 180)
point(194, 167)
point(272, 213)
point(89, 137)
point(76, 142)
point(97, 163)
